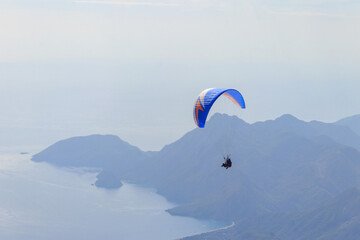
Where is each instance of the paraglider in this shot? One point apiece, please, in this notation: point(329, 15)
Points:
point(227, 164)
point(206, 99)
point(204, 102)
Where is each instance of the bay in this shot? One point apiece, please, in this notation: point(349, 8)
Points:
point(40, 201)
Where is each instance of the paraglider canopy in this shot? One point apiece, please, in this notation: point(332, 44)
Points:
point(206, 99)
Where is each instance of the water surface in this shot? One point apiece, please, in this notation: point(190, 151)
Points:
point(39, 201)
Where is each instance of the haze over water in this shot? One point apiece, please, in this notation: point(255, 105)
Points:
point(39, 201)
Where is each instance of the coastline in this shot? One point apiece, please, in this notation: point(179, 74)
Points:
point(215, 230)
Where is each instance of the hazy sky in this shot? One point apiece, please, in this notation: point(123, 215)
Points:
point(134, 68)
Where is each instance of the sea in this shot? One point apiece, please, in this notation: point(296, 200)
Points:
point(39, 201)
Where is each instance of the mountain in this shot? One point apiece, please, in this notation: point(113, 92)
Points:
point(281, 165)
point(338, 218)
point(105, 152)
point(98, 151)
point(352, 122)
point(337, 132)
point(274, 169)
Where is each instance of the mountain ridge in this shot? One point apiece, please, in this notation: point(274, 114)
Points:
point(353, 122)
point(281, 165)
point(329, 221)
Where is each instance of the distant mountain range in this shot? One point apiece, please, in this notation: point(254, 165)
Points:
point(352, 122)
point(336, 219)
point(282, 169)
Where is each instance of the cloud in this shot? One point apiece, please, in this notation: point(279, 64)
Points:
point(309, 13)
point(155, 4)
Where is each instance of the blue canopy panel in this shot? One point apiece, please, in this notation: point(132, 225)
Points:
point(206, 99)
